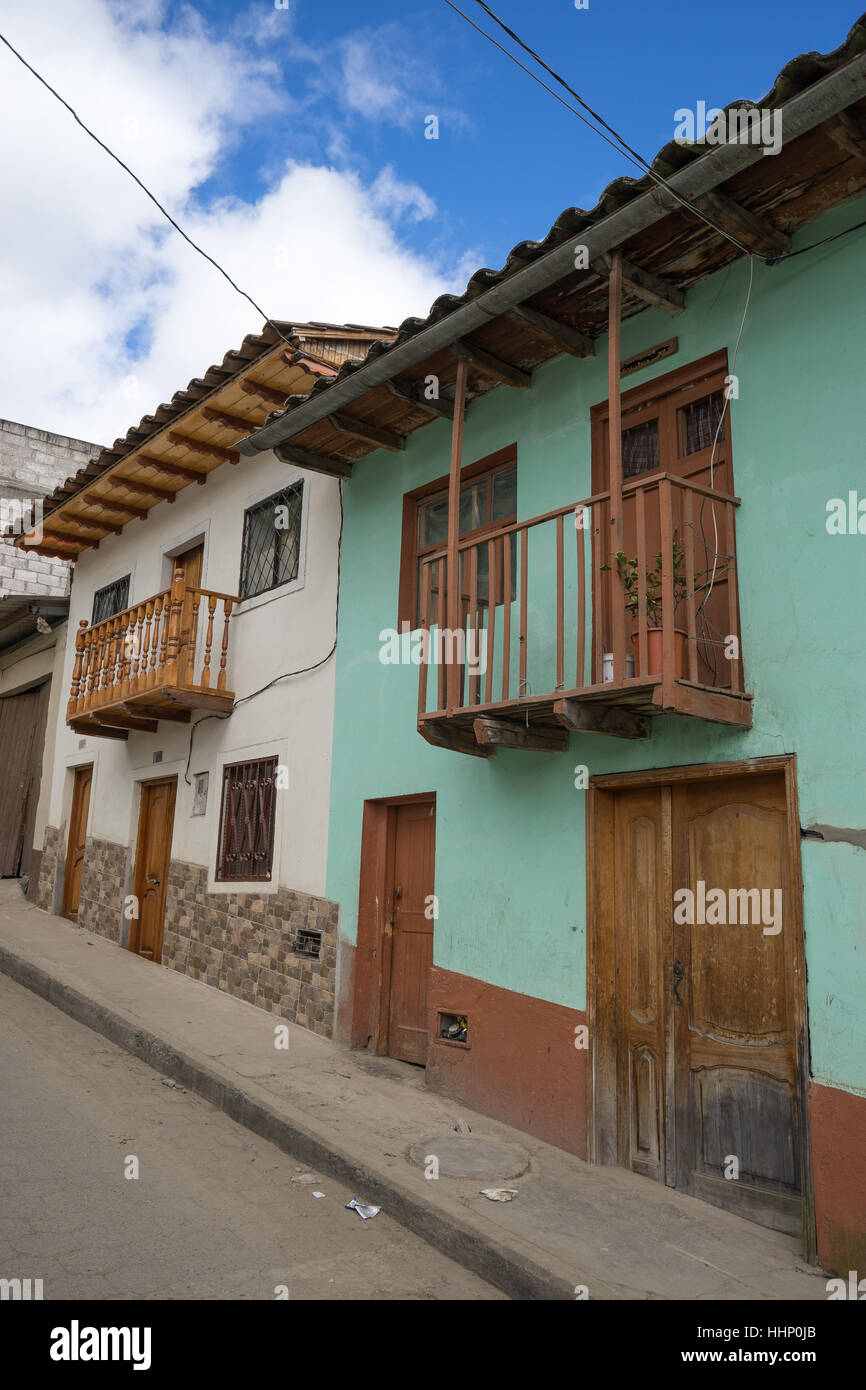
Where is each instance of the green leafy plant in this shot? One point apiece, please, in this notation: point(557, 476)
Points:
point(628, 572)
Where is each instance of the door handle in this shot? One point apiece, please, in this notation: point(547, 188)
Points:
point(152, 878)
point(679, 972)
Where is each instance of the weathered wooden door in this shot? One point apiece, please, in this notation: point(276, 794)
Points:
point(190, 561)
point(76, 842)
point(410, 923)
point(152, 858)
point(22, 736)
point(707, 988)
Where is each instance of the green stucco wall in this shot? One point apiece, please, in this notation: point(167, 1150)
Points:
point(510, 867)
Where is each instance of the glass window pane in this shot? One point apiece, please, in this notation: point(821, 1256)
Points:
point(433, 523)
point(701, 420)
point(640, 449)
point(473, 506)
point(504, 493)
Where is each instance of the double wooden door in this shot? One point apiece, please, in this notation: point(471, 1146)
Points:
point(22, 736)
point(152, 859)
point(703, 975)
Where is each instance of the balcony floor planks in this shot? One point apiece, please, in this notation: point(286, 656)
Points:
point(138, 712)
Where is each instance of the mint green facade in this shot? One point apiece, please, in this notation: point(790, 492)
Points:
point(510, 851)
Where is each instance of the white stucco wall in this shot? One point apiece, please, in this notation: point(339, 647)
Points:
point(269, 635)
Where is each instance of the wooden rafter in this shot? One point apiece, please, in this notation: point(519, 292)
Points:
point(849, 133)
point(131, 512)
point(82, 518)
point(567, 338)
point(511, 733)
point(241, 423)
point(264, 393)
point(412, 394)
point(317, 463)
point(161, 494)
point(198, 446)
point(173, 470)
point(370, 434)
point(489, 365)
point(644, 284)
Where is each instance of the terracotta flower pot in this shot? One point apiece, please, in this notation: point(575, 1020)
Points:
point(654, 651)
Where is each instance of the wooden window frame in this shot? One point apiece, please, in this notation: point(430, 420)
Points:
point(663, 398)
point(220, 874)
point(407, 602)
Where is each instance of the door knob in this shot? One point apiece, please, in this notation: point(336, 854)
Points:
point(679, 972)
point(152, 878)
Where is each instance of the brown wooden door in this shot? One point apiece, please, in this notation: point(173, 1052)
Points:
point(707, 1010)
point(152, 858)
point(190, 561)
point(77, 840)
point(22, 736)
point(410, 922)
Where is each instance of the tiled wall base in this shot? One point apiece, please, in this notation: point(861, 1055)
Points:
point(245, 945)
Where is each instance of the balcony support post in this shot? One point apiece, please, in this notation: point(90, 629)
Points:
point(617, 592)
point(454, 673)
point(178, 594)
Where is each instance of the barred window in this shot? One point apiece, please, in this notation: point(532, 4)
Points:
point(272, 541)
point(111, 599)
point(246, 836)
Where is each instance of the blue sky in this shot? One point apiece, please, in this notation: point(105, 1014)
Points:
point(510, 158)
point(290, 143)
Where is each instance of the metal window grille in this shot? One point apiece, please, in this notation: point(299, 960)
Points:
point(272, 541)
point(246, 838)
point(308, 943)
point(113, 598)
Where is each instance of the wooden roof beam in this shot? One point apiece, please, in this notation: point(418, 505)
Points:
point(231, 422)
point(645, 285)
point(753, 231)
point(849, 133)
point(488, 365)
point(317, 463)
point(370, 434)
point(411, 394)
point(83, 519)
point(198, 446)
point(137, 513)
point(173, 470)
point(566, 337)
point(160, 494)
point(264, 393)
point(510, 733)
point(51, 547)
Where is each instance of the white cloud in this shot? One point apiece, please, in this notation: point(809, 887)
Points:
point(106, 311)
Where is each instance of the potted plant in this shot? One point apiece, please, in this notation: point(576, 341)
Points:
point(628, 572)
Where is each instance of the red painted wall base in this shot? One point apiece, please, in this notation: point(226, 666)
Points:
point(837, 1122)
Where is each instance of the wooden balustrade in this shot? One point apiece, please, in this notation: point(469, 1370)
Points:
point(540, 609)
point(155, 655)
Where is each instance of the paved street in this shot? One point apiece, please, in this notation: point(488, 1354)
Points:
point(214, 1212)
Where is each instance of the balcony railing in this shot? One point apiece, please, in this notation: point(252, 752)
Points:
point(541, 634)
point(156, 660)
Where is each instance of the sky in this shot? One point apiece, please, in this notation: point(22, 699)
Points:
point(290, 140)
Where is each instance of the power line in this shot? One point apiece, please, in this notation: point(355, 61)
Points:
point(622, 148)
point(167, 215)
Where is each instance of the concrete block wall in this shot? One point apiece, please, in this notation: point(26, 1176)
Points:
point(32, 463)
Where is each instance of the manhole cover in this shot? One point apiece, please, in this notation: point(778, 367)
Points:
point(471, 1156)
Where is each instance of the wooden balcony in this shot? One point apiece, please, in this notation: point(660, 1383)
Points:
point(558, 636)
point(156, 660)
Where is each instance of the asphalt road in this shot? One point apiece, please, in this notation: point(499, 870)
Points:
point(214, 1212)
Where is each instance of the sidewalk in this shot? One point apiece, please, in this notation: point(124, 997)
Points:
point(355, 1117)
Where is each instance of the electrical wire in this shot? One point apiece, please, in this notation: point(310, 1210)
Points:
point(301, 671)
point(622, 147)
point(167, 215)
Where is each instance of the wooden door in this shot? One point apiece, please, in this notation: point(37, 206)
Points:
point(76, 842)
point(152, 858)
point(707, 993)
point(410, 924)
point(190, 561)
point(22, 736)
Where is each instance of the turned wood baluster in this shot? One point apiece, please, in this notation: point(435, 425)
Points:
point(146, 657)
point(139, 651)
point(175, 614)
point(208, 642)
point(87, 672)
point(124, 654)
point(227, 612)
point(76, 672)
point(116, 669)
point(100, 642)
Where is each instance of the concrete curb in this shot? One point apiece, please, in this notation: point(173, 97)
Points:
point(506, 1269)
